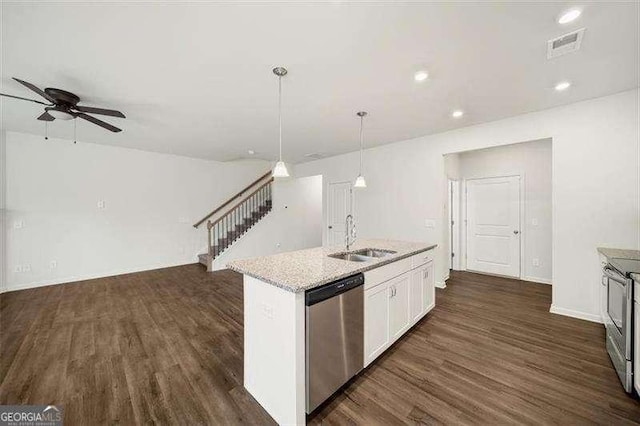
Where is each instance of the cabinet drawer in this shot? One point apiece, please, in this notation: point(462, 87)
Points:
point(384, 273)
point(421, 258)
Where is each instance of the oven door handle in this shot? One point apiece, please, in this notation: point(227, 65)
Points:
point(610, 273)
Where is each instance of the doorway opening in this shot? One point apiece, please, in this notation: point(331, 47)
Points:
point(504, 210)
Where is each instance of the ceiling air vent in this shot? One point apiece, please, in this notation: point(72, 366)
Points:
point(564, 44)
point(315, 155)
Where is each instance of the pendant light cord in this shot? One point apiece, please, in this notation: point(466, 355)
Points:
point(280, 112)
point(361, 143)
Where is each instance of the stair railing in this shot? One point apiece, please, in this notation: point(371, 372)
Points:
point(239, 218)
point(232, 199)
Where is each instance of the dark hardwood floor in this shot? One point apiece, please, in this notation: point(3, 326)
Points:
point(165, 347)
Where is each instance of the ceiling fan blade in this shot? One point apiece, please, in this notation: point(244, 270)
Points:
point(92, 110)
point(35, 89)
point(96, 121)
point(24, 99)
point(46, 117)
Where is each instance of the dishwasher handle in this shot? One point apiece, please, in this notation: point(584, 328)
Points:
point(335, 288)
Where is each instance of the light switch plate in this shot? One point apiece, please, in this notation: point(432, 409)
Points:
point(102, 204)
point(536, 261)
point(534, 222)
point(18, 224)
point(430, 223)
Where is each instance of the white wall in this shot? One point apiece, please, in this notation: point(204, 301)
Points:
point(151, 203)
point(532, 162)
point(3, 191)
point(294, 223)
point(595, 183)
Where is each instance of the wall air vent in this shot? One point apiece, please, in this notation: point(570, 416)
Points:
point(564, 44)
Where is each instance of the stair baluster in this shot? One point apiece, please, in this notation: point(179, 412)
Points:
point(237, 220)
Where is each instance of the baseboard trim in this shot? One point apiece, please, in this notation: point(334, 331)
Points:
point(537, 280)
point(575, 314)
point(440, 284)
point(86, 277)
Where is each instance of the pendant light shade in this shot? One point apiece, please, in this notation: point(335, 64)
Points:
point(360, 182)
point(280, 170)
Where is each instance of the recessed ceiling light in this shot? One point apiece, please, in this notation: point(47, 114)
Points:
point(564, 85)
point(569, 16)
point(457, 113)
point(251, 152)
point(421, 75)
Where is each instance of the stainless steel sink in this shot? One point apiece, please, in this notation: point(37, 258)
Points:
point(362, 255)
point(369, 252)
point(352, 257)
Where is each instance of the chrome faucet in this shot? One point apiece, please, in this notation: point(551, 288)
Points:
point(349, 221)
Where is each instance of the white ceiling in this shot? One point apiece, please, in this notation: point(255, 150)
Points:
point(195, 79)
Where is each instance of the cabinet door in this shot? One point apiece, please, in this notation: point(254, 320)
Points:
point(429, 287)
point(376, 321)
point(399, 305)
point(417, 295)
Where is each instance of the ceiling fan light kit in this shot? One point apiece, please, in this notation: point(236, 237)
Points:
point(63, 105)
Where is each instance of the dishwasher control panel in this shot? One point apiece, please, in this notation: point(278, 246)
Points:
point(332, 289)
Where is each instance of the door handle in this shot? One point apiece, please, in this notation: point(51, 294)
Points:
point(516, 232)
point(330, 227)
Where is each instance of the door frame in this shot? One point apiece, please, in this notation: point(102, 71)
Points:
point(522, 223)
point(453, 189)
point(327, 210)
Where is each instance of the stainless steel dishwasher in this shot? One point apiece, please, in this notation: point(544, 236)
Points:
point(334, 337)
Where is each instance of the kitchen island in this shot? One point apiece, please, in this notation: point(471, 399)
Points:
point(398, 290)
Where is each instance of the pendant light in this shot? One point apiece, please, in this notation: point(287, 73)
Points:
point(360, 182)
point(280, 170)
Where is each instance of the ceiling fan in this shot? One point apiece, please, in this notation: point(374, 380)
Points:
point(64, 106)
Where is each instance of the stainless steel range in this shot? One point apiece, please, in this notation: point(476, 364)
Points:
point(619, 316)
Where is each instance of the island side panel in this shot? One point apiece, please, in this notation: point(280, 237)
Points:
point(274, 349)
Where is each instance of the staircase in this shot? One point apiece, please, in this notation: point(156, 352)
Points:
point(235, 217)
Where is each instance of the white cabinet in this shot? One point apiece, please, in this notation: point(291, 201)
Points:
point(393, 306)
point(430, 287)
point(423, 292)
point(636, 336)
point(376, 320)
point(399, 305)
point(417, 297)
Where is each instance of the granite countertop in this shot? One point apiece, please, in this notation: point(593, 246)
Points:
point(619, 253)
point(302, 270)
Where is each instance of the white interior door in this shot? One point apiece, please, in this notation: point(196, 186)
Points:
point(493, 225)
point(339, 206)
